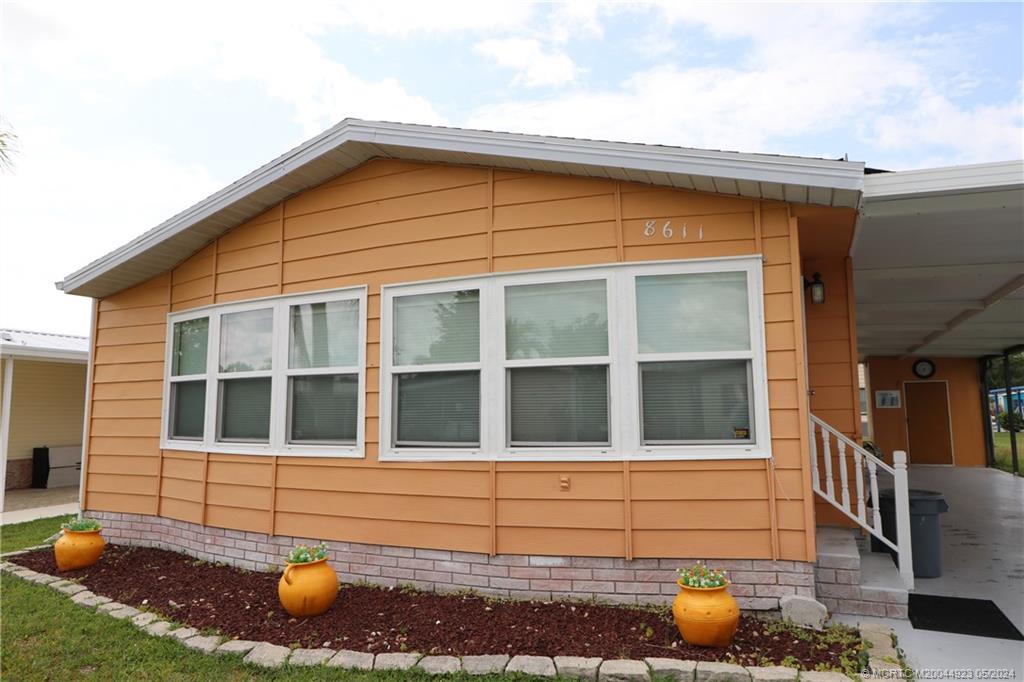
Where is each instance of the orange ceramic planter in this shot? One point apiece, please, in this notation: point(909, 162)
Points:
point(307, 589)
point(78, 549)
point(706, 616)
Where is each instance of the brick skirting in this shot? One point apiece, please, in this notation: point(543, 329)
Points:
point(837, 584)
point(757, 584)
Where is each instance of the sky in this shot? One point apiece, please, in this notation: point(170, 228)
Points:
point(128, 112)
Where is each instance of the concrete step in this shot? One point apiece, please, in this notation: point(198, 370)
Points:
point(849, 580)
point(880, 579)
point(837, 548)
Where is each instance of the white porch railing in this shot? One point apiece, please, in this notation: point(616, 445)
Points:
point(835, 451)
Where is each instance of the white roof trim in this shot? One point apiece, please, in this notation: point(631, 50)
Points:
point(351, 142)
point(947, 180)
point(25, 353)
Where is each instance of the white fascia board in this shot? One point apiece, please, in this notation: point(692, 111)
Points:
point(732, 165)
point(842, 175)
point(43, 354)
point(947, 180)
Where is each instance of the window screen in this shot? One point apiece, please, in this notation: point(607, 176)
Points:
point(558, 405)
point(245, 409)
point(325, 408)
point(699, 401)
point(188, 409)
point(435, 409)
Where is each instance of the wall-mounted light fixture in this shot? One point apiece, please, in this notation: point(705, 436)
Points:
point(817, 288)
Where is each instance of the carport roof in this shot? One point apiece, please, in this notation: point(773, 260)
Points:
point(828, 182)
point(43, 346)
point(938, 261)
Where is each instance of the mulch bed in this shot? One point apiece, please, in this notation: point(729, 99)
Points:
point(244, 605)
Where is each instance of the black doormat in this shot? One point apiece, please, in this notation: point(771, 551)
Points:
point(978, 617)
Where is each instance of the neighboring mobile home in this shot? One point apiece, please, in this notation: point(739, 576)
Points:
point(42, 404)
point(529, 366)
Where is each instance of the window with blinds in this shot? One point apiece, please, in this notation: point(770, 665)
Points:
point(246, 364)
point(556, 351)
point(189, 340)
point(436, 370)
point(281, 375)
point(658, 360)
point(323, 372)
point(684, 396)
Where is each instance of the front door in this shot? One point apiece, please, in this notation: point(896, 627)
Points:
point(928, 429)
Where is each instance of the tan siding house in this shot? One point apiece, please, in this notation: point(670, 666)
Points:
point(543, 367)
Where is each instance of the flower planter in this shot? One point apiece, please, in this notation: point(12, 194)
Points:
point(78, 549)
point(307, 589)
point(706, 616)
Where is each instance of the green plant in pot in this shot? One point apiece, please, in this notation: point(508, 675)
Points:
point(704, 611)
point(80, 544)
point(308, 585)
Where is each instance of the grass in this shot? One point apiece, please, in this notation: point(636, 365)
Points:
point(17, 536)
point(48, 637)
point(1001, 441)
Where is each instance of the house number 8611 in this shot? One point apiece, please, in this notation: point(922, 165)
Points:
point(651, 228)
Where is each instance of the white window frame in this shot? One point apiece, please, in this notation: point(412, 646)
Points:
point(388, 370)
point(623, 362)
point(279, 374)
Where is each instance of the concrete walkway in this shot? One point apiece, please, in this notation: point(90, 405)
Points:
point(28, 504)
point(982, 558)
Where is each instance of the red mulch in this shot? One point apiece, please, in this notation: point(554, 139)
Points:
point(244, 605)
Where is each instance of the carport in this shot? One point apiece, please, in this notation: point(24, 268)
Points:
point(938, 262)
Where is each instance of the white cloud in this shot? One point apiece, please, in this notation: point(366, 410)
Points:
point(442, 16)
point(271, 44)
point(799, 72)
point(62, 207)
point(535, 66)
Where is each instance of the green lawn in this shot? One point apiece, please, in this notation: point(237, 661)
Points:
point(1001, 441)
point(47, 637)
point(16, 536)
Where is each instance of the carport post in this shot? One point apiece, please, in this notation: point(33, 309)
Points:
point(1010, 416)
point(986, 410)
point(5, 423)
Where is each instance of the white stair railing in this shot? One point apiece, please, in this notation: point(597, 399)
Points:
point(856, 510)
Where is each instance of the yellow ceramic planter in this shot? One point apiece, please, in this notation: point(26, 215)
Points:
point(307, 589)
point(706, 616)
point(78, 549)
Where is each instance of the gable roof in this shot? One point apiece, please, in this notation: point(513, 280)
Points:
point(353, 142)
point(43, 346)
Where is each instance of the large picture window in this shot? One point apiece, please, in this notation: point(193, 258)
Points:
point(638, 361)
point(275, 376)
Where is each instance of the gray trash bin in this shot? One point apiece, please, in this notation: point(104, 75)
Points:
point(925, 532)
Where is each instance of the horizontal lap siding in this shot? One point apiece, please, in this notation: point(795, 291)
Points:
point(832, 371)
point(127, 388)
point(392, 222)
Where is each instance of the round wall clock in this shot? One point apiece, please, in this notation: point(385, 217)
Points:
point(924, 368)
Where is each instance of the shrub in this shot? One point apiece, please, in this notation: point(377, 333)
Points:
point(700, 575)
point(81, 525)
point(1004, 421)
point(304, 555)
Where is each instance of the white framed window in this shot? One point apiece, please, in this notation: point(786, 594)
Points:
point(660, 360)
point(282, 375)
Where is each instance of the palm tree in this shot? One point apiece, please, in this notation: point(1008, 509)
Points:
point(7, 139)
